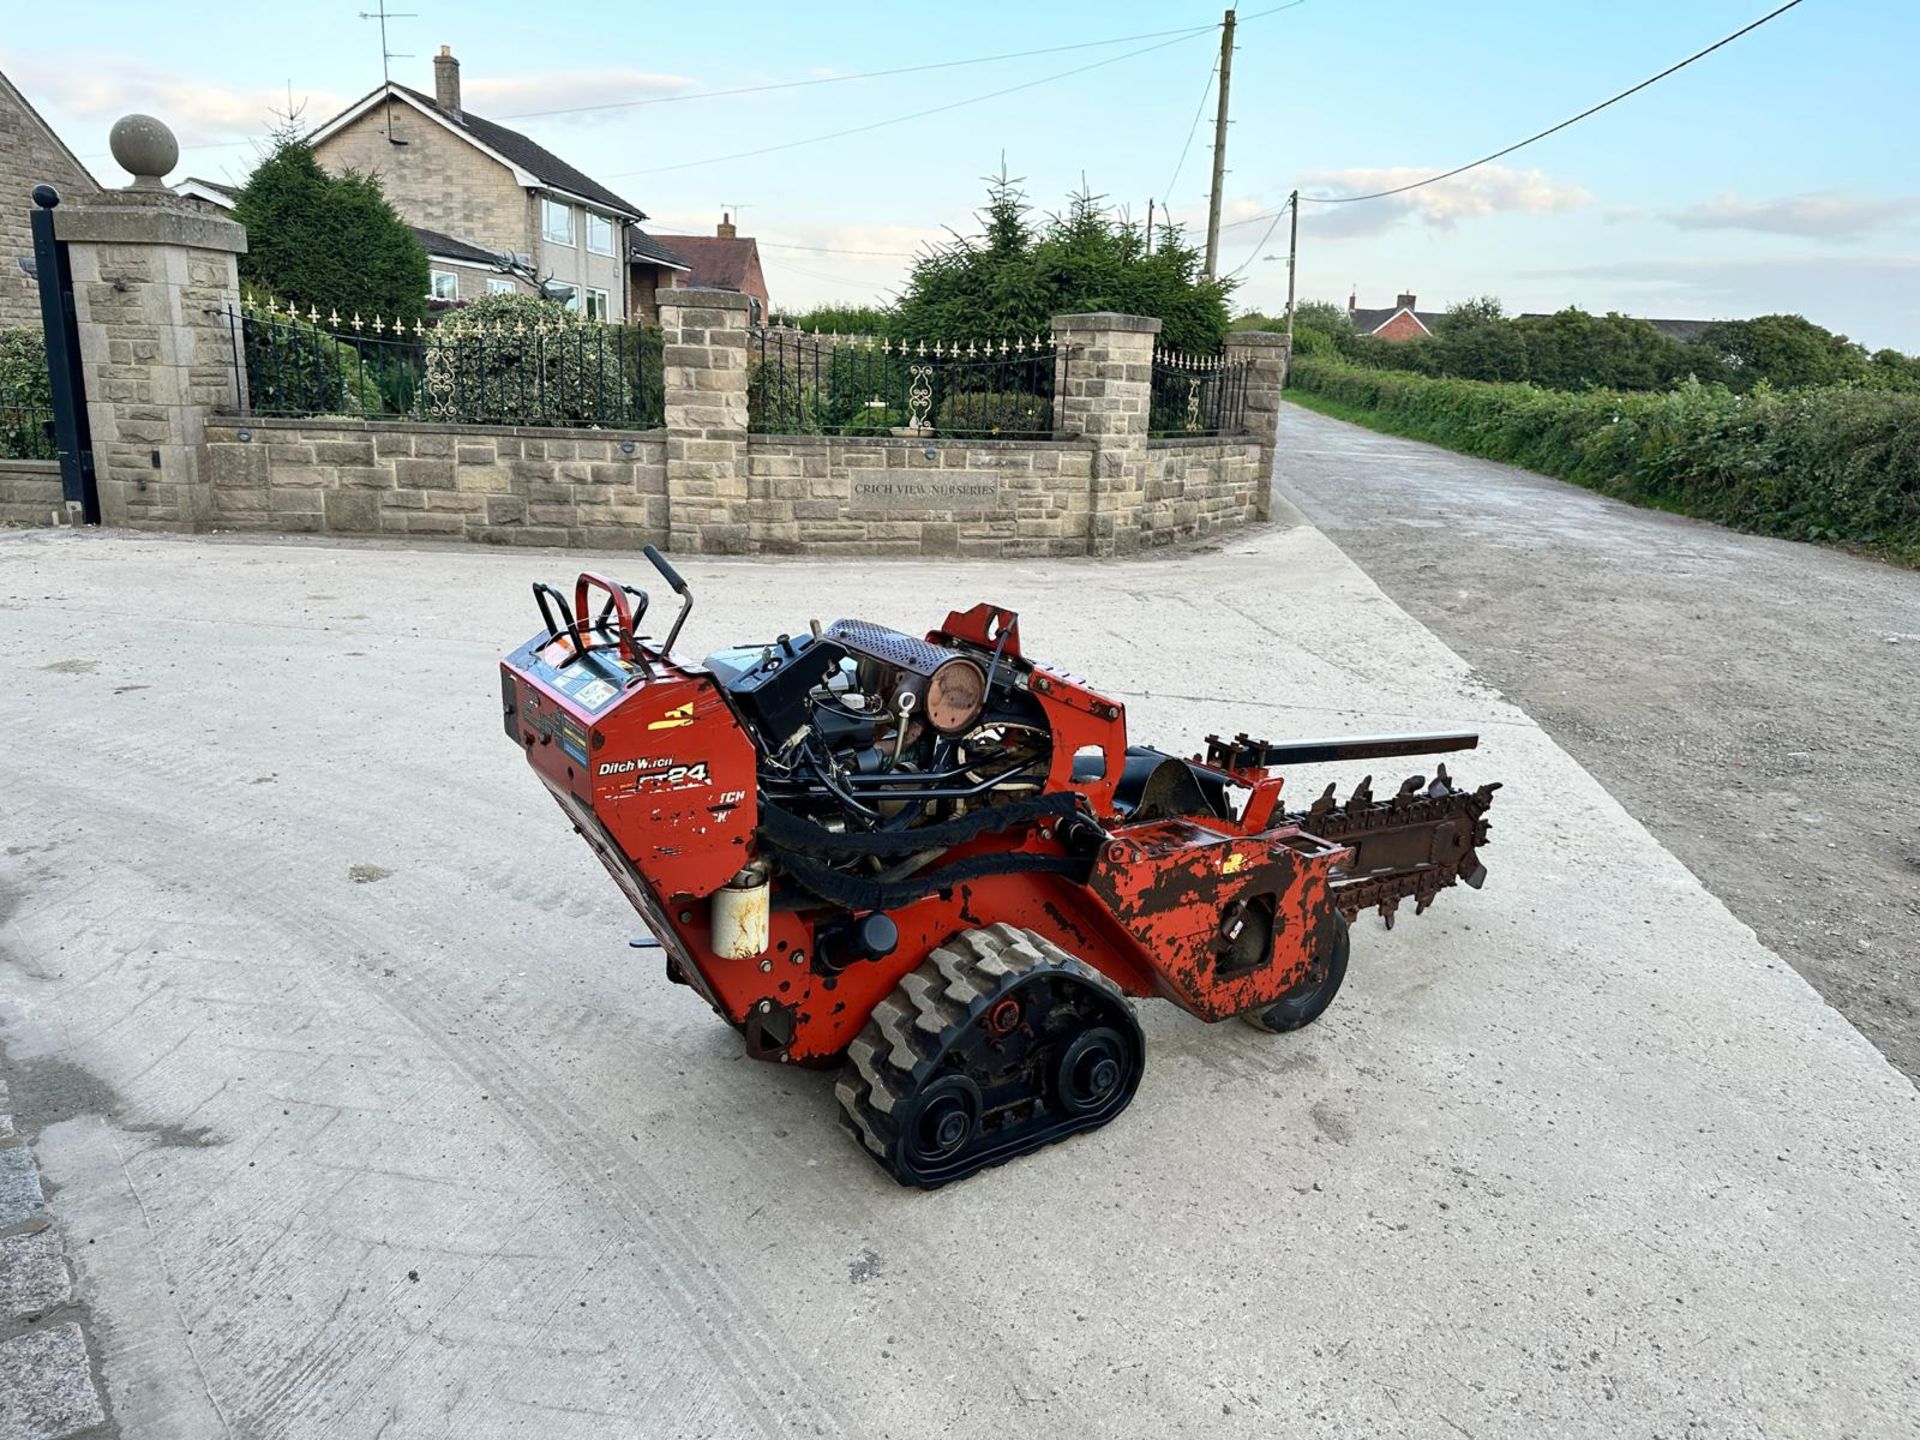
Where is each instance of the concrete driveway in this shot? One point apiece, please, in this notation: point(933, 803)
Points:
point(360, 1119)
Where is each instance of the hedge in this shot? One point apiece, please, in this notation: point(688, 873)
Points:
point(1837, 464)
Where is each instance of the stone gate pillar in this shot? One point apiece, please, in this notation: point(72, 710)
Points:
point(705, 347)
point(1264, 352)
point(1106, 396)
point(155, 290)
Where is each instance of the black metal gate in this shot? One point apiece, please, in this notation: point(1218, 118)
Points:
point(71, 434)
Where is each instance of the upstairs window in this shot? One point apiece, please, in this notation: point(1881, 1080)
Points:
point(556, 222)
point(443, 285)
point(599, 234)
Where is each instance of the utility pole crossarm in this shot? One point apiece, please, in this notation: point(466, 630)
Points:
point(1219, 147)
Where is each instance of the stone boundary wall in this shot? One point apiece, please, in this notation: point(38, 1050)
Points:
point(1199, 486)
point(831, 494)
point(506, 486)
point(30, 493)
point(177, 450)
point(880, 495)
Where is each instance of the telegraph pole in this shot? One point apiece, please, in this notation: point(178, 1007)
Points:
point(1219, 146)
point(1149, 225)
point(1293, 254)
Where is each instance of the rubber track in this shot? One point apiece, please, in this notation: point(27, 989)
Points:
point(903, 1040)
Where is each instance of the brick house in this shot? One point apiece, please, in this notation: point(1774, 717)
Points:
point(484, 190)
point(651, 265)
point(1399, 322)
point(30, 154)
point(724, 260)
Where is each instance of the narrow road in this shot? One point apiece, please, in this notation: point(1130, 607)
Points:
point(1755, 703)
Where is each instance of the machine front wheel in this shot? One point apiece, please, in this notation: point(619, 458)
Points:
point(1313, 993)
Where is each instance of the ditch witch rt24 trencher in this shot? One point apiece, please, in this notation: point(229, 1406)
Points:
point(937, 862)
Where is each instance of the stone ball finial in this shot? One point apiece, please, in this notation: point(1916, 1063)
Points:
point(144, 148)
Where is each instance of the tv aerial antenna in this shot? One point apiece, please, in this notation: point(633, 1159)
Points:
point(387, 57)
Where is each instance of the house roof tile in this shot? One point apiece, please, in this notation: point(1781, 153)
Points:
point(1365, 322)
point(447, 247)
point(529, 155)
point(718, 263)
point(649, 251)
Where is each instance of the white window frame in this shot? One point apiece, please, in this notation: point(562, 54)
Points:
point(550, 210)
point(597, 300)
point(572, 302)
point(434, 277)
point(500, 285)
point(594, 222)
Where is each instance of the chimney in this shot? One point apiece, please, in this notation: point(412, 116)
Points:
point(446, 81)
point(725, 229)
point(1353, 301)
point(1405, 302)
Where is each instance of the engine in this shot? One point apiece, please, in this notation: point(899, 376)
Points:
point(863, 728)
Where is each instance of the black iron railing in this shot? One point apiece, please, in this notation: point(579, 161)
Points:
point(1195, 395)
point(26, 424)
point(569, 373)
point(799, 384)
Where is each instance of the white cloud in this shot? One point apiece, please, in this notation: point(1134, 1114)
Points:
point(1817, 214)
point(1489, 190)
point(84, 100)
point(852, 262)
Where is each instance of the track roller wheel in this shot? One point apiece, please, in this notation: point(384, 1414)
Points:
point(1314, 991)
point(999, 1043)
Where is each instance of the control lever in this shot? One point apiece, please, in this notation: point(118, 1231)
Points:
point(679, 587)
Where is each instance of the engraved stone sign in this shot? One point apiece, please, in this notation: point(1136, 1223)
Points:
point(888, 492)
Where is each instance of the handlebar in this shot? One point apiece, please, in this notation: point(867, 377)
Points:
point(624, 606)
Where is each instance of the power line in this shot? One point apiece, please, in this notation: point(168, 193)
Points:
point(1166, 195)
point(795, 84)
point(1551, 130)
point(915, 115)
point(829, 250)
point(1178, 37)
point(812, 81)
point(866, 75)
point(1278, 215)
point(821, 275)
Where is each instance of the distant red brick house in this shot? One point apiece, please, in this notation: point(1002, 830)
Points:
point(723, 260)
point(1401, 322)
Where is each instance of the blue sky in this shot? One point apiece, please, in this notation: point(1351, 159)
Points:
point(1777, 174)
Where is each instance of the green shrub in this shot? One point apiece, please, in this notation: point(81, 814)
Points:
point(992, 413)
point(332, 241)
point(840, 320)
point(780, 402)
point(26, 395)
point(296, 368)
point(1838, 463)
point(520, 360)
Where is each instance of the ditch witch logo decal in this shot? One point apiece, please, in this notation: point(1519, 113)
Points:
point(662, 772)
point(674, 718)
